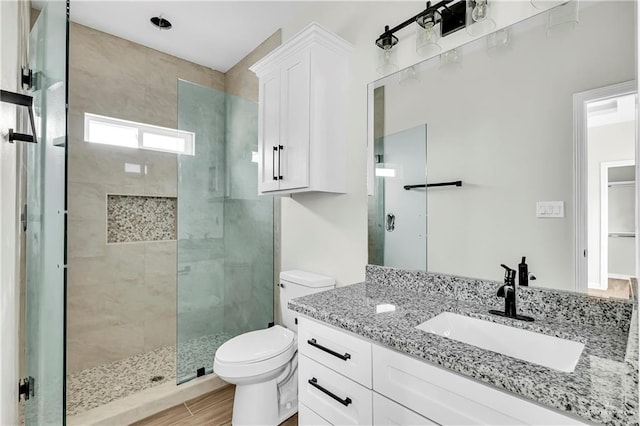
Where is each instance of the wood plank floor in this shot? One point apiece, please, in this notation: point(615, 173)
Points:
point(214, 408)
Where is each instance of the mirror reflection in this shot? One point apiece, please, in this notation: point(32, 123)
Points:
point(500, 119)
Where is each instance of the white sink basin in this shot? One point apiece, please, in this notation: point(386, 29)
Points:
point(548, 351)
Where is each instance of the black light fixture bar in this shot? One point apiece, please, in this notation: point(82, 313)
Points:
point(383, 39)
point(25, 101)
point(432, 185)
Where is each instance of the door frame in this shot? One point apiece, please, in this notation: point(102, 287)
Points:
point(580, 132)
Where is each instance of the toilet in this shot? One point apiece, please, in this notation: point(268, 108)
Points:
point(263, 364)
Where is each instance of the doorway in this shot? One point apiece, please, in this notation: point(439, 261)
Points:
point(606, 191)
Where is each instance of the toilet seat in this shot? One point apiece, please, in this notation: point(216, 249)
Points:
point(254, 353)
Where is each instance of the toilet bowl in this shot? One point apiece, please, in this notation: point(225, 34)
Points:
point(263, 363)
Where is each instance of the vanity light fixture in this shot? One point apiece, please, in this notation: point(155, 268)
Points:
point(449, 14)
point(479, 20)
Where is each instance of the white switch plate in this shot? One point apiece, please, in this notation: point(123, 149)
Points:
point(550, 209)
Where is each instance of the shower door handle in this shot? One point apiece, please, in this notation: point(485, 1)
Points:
point(273, 163)
point(390, 222)
point(280, 161)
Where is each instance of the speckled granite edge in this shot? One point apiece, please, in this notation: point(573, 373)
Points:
point(603, 388)
point(535, 301)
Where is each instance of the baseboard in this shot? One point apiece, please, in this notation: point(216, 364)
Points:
point(620, 277)
point(146, 403)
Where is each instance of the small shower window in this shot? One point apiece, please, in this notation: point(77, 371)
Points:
point(117, 132)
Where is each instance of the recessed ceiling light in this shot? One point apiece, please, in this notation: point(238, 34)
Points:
point(160, 23)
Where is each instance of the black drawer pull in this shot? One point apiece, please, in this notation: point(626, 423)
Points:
point(280, 161)
point(314, 382)
point(315, 344)
point(273, 162)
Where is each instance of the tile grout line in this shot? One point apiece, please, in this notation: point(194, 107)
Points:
point(187, 407)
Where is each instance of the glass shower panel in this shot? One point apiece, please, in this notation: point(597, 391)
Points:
point(399, 227)
point(45, 219)
point(225, 232)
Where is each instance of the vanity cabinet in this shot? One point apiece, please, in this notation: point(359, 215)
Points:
point(302, 114)
point(345, 379)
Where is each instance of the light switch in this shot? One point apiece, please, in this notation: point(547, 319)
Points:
point(551, 209)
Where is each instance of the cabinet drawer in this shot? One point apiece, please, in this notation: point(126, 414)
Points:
point(307, 417)
point(346, 354)
point(388, 413)
point(339, 400)
point(450, 399)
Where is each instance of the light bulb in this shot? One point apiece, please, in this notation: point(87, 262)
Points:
point(479, 21)
point(427, 37)
point(430, 35)
point(480, 10)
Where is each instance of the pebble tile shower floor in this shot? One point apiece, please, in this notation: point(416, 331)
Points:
point(105, 383)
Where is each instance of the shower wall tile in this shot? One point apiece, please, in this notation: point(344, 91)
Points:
point(140, 218)
point(241, 115)
point(160, 282)
point(104, 165)
point(161, 171)
point(103, 344)
point(159, 332)
point(86, 200)
point(240, 81)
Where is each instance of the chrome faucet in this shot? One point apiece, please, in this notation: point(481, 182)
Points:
point(508, 291)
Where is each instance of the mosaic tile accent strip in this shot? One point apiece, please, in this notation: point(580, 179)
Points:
point(97, 386)
point(553, 305)
point(139, 218)
point(602, 389)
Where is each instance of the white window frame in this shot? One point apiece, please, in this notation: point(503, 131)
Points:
point(188, 137)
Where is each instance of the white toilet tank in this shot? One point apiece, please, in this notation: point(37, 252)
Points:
point(297, 284)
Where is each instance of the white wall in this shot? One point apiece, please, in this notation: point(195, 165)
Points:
point(9, 292)
point(503, 123)
point(328, 233)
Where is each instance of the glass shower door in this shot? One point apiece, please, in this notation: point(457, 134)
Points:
point(45, 219)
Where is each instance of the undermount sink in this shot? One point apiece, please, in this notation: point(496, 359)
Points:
point(548, 351)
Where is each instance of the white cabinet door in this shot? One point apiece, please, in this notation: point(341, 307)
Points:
point(339, 400)
point(388, 413)
point(293, 154)
point(451, 399)
point(269, 129)
point(338, 350)
point(308, 417)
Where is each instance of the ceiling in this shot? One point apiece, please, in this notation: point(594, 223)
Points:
point(216, 34)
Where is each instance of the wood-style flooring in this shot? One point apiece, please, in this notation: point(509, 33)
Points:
point(619, 289)
point(212, 409)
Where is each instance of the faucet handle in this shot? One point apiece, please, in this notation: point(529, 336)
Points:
point(509, 275)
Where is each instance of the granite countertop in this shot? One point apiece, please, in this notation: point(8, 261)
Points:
point(602, 389)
